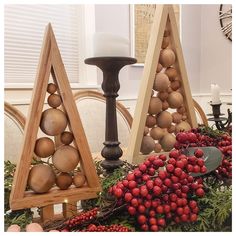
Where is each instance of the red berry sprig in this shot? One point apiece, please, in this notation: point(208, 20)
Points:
point(106, 228)
point(160, 191)
point(80, 219)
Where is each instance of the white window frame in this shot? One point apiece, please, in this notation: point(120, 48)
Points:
point(87, 74)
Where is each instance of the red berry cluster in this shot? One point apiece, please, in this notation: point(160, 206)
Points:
point(80, 219)
point(194, 138)
point(159, 190)
point(106, 228)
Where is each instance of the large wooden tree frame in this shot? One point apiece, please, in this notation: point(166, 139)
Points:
point(51, 62)
point(164, 15)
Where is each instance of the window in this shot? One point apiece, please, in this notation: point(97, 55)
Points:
point(73, 26)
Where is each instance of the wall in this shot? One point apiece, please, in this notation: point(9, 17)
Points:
point(207, 55)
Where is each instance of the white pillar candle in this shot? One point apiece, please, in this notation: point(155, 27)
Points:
point(215, 94)
point(110, 45)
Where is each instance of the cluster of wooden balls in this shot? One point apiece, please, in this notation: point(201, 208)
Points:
point(65, 158)
point(166, 112)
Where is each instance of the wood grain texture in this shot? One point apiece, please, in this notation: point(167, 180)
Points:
point(164, 16)
point(51, 61)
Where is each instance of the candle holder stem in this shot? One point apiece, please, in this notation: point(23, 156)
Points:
point(110, 67)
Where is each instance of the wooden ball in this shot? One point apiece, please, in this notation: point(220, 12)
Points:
point(157, 148)
point(182, 126)
point(146, 130)
point(168, 142)
point(65, 158)
point(41, 178)
point(54, 100)
point(175, 100)
point(164, 119)
point(67, 137)
point(44, 147)
point(53, 122)
point(155, 106)
point(163, 95)
point(184, 117)
point(167, 57)
point(79, 180)
point(172, 73)
point(161, 82)
point(165, 105)
point(181, 110)
point(156, 133)
point(64, 180)
point(171, 129)
point(177, 117)
point(52, 88)
point(175, 85)
point(147, 145)
point(159, 68)
point(165, 42)
point(150, 121)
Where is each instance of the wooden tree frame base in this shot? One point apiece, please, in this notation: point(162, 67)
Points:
point(164, 15)
point(51, 62)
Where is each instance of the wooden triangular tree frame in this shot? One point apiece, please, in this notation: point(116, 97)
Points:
point(51, 62)
point(164, 14)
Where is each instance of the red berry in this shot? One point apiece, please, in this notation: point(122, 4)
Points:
point(173, 206)
point(195, 210)
point(180, 211)
point(125, 182)
point(184, 218)
point(165, 197)
point(192, 160)
point(158, 182)
point(177, 172)
point(175, 153)
point(162, 174)
point(147, 204)
point(132, 184)
point(142, 167)
point(118, 193)
point(131, 210)
point(150, 184)
point(152, 213)
point(196, 169)
point(137, 173)
point(174, 179)
point(144, 227)
point(186, 210)
point(161, 222)
point(198, 153)
point(180, 164)
point(145, 177)
point(167, 182)
point(158, 163)
point(172, 161)
point(166, 208)
point(184, 201)
point(203, 169)
point(190, 179)
point(179, 202)
point(143, 191)
point(157, 190)
point(154, 228)
point(170, 168)
point(152, 158)
point(128, 197)
point(193, 217)
point(134, 202)
point(192, 204)
point(200, 162)
point(147, 163)
point(162, 157)
point(200, 192)
point(130, 177)
point(152, 221)
point(182, 137)
point(155, 203)
point(151, 171)
point(160, 210)
point(189, 168)
point(185, 189)
point(135, 192)
point(192, 137)
point(142, 219)
point(173, 197)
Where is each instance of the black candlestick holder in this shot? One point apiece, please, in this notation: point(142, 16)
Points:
point(110, 67)
point(222, 123)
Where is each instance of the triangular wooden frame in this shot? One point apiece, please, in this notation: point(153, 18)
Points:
point(163, 14)
point(50, 60)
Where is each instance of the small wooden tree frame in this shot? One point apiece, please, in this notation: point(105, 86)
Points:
point(164, 15)
point(51, 62)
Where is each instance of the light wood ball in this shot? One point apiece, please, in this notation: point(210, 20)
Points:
point(67, 137)
point(155, 106)
point(182, 126)
point(171, 129)
point(165, 105)
point(168, 142)
point(147, 145)
point(150, 121)
point(172, 73)
point(65, 158)
point(161, 82)
point(146, 131)
point(167, 57)
point(41, 178)
point(163, 95)
point(156, 133)
point(51, 88)
point(157, 148)
point(159, 68)
point(181, 110)
point(164, 119)
point(175, 100)
point(165, 42)
point(54, 100)
point(44, 147)
point(175, 85)
point(177, 117)
point(79, 180)
point(64, 180)
point(53, 121)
